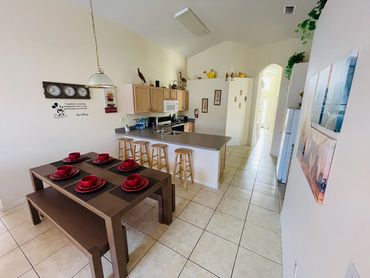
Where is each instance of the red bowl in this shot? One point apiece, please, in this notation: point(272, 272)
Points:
point(103, 156)
point(128, 163)
point(89, 181)
point(74, 155)
point(63, 170)
point(133, 180)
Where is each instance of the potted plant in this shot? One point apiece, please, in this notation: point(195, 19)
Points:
point(296, 58)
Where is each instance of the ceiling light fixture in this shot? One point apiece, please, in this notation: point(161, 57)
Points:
point(98, 79)
point(190, 20)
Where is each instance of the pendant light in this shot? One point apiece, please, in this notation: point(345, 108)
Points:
point(98, 79)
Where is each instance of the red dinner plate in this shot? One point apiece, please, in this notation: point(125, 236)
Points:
point(68, 160)
point(73, 173)
point(99, 184)
point(144, 183)
point(97, 161)
point(123, 169)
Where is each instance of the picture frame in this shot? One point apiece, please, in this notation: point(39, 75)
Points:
point(110, 101)
point(204, 105)
point(217, 97)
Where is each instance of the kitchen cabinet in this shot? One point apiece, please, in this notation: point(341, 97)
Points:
point(173, 94)
point(183, 100)
point(166, 94)
point(136, 99)
point(156, 97)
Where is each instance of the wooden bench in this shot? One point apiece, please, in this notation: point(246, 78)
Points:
point(84, 228)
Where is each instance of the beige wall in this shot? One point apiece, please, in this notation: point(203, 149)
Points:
point(50, 40)
point(324, 239)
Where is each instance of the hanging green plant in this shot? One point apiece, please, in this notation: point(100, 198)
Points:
point(296, 58)
point(307, 27)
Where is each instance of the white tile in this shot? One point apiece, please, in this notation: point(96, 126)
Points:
point(267, 179)
point(215, 254)
point(238, 193)
point(252, 265)
point(7, 243)
point(192, 270)
point(243, 182)
point(188, 193)
point(233, 207)
point(66, 262)
point(136, 213)
point(267, 189)
point(220, 189)
point(107, 270)
point(181, 237)
point(149, 224)
point(16, 217)
point(151, 202)
point(3, 228)
point(181, 203)
point(264, 218)
point(13, 264)
point(29, 274)
point(262, 241)
point(226, 226)
point(207, 198)
point(43, 246)
point(160, 261)
point(197, 214)
point(266, 201)
point(27, 231)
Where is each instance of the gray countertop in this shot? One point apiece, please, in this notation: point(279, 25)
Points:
point(196, 140)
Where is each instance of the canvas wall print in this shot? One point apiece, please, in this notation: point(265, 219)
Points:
point(315, 154)
point(110, 101)
point(217, 97)
point(332, 93)
point(204, 105)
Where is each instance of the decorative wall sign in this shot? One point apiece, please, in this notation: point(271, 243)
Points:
point(110, 100)
point(65, 91)
point(204, 105)
point(217, 97)
point(63, 110)
point(196, 112)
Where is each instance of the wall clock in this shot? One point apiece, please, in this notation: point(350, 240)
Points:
point(66, 91)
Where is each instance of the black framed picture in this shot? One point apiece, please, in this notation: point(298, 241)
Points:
point(204, 105)
point(217, 97)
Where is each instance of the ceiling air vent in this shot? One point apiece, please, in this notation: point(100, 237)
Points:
point(289, 9)
point(190, 20)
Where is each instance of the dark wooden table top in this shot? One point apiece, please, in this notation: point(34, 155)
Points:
point(104, 203)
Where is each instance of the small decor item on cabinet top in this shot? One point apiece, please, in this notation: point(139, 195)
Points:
point(110, 100)
point(204, 105)
point(182, 81)
point(232, 76)
point(211, 74)
point(65, 90)
point(217, 97)
point(235, 99)
point(227, 76)
point(174, 85)
point(141, 76)
point(245, 99)
point(196, 112)
point(242, 75)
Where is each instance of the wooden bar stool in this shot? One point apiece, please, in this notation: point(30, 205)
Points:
point(141, 148)
point(184, 161)
point(160, 153)
point(125, 148)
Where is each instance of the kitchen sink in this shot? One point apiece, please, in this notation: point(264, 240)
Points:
point(172, 132)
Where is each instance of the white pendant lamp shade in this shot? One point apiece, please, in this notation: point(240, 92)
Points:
point(99, 80)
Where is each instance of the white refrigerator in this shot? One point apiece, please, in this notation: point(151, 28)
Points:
point(287, 144)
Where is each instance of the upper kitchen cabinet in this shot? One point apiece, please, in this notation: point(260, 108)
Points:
point(167, 94)
point(183, 100)
point(173, 94)
point(137, 99)
point(157, 97)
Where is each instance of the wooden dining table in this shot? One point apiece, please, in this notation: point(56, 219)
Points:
point(110, 202)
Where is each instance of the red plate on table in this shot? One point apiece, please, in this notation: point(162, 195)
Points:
point(99, 184)
point(73, 173)
point(68, 160)
point(123, 169)
point(99, 162)
point(144, 183)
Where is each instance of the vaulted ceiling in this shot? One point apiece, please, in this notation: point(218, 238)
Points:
point(246, 21)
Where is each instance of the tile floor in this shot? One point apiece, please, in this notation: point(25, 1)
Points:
point(230, 232)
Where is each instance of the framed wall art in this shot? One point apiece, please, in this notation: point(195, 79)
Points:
point(217, 97)
point(204, 105)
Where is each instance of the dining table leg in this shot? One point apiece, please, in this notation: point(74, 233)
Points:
point(166, 202)
point(116, 246)
point(37, 186)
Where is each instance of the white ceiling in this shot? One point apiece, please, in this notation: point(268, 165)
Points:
point(247, 21)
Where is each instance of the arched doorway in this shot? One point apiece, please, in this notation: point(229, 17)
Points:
point(268, 89)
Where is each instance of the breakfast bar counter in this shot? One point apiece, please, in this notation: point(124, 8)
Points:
point(208, 151)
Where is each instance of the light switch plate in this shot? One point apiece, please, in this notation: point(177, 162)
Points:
point(352, 272)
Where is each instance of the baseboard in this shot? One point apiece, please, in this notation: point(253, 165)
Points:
point(13, 204)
